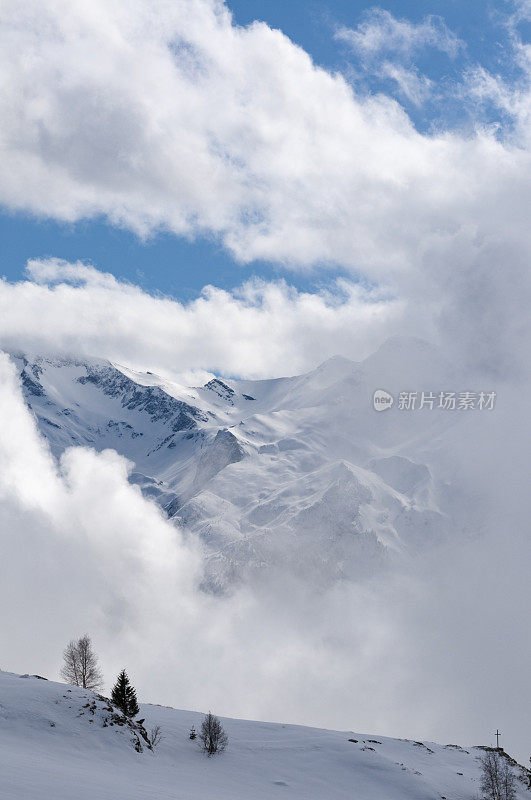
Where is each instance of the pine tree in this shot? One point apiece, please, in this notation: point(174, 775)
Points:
point(124, 696)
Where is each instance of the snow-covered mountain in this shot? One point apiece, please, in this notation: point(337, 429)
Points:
point(63, 742)
point(298, 472)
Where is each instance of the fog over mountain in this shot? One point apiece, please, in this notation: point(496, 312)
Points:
point(373, 536)
point(296, 473)
point(199, 479)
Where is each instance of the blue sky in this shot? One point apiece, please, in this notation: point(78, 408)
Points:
point(163, 263)
point(178, 267)
point(407, 162)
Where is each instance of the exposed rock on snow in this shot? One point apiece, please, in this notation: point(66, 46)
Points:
point(297, 471)
point(63, 742)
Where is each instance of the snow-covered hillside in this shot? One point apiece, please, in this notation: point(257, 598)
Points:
point(297, 472)
point(59, 742)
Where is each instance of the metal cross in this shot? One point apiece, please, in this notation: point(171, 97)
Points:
point(498, 734)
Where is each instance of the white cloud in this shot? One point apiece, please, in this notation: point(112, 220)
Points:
point(82, 550)
point(414, 86)
point(386, 47)
point(471, 298)
point(257, 330)
point(510, 96)
point(381, 32)
point(162, 115)
point(167, 115)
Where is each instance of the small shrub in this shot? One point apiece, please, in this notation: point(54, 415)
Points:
point(155, 736)
point(212, 737)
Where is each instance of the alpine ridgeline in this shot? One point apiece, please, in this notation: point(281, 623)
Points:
point(298, 473)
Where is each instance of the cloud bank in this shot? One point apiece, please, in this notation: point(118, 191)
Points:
point(472, 300)
point(170, 116)
point(167, 115)
point(258, 330)
point(164, 115)
point(82, 550)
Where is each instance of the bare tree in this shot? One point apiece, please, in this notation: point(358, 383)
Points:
point(212, 736)
point(155, 736)
point(497, 778)
point(508, 783)
point(80, 664)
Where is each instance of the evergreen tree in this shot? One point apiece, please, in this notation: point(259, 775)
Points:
point(124, 696)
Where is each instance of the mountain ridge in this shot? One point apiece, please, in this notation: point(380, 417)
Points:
point(267, 472)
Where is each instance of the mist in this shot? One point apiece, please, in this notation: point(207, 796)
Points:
point(434, 651)
point(244, 140)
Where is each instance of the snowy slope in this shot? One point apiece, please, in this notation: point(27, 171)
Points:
point(298, 471)
point(57, 743)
